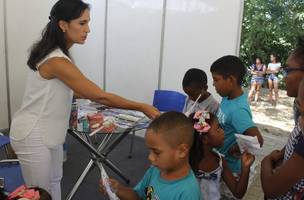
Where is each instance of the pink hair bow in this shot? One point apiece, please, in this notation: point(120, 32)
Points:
point(201, 126)
point(24, 192)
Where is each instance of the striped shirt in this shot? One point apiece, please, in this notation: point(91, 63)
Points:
point(295, 144)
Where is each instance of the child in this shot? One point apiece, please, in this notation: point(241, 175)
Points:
point(208, 164)
point(31, 193)
point(234, 113)
point(195, 86)
point(169, 139)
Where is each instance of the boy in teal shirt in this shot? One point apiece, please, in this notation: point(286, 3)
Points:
point(169, 139)
point(234, 113)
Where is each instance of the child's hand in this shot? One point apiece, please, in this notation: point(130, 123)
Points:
point(114, 184)
point(247, 159)
point(235, 151)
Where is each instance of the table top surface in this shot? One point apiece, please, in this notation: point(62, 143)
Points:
point(123, 119)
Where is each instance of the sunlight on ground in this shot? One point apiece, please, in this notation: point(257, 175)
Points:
point(273, 119)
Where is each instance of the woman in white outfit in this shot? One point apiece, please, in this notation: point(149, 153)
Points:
point(38, 128)
point(273, 81)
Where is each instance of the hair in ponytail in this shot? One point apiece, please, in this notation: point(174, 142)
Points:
point(52, 36)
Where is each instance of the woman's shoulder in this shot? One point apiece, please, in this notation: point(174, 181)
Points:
point(58, 53)
point(55, 56)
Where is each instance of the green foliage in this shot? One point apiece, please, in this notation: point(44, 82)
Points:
point(270, 27)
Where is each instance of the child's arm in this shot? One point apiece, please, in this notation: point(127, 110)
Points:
point(123, 192)
point(238, 188)
point(254, 131)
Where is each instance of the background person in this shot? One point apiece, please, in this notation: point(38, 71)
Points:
point(195, 85)
point(273, 69)
point(258, 71)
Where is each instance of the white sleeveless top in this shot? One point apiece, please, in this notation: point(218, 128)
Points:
point(274, 66)
point(46, 105)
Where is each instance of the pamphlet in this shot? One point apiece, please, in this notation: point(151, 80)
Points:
point(248, 143)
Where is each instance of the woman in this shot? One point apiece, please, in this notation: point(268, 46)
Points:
point(39, 127)
point(258, 71)
point(273, 80)
point(285, 180)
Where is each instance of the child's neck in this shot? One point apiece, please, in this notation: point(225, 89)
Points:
point(235, 93)
point(208, 150)
point(204, 96)
point(210, 160)
point(177, 173)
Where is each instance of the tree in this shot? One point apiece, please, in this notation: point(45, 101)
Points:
point(270, 27)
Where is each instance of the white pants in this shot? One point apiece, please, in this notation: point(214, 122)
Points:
point(41, 166)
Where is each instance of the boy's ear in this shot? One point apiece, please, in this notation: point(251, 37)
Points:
point(232, 79)
point(183, 150)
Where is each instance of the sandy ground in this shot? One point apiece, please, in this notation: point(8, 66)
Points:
point(274, 119)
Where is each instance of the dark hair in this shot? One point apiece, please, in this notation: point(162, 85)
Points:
point(259, 59)
point(298, 52)
point(52, 35)
point(44, 195)
point(196, 151)
point(274, 55)
point(229, 66)
point(175, 126)
point(196, 78)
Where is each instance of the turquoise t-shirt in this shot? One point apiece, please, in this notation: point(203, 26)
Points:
point(235, 117)
point(153, 187)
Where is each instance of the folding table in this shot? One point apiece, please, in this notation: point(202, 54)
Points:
point(107, 144)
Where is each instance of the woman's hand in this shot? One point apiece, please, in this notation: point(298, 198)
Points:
point(150, 111)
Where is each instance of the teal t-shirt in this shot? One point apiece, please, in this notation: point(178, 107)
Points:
point(153, 187)
point(235, 117)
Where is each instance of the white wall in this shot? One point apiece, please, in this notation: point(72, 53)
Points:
point(3, 85)
point(197, 32)
point(25, 21)
point(133, 48)
point(90, 56)
point(134, 45)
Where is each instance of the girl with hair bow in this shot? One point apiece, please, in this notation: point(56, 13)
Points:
point(209, 165)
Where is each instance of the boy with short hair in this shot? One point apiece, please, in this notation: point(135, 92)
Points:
point(169, 139)
point(234, 113)
point(196, 87)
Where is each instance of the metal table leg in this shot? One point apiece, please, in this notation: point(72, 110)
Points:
point(98, 156)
